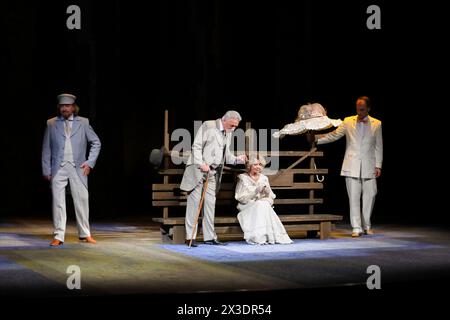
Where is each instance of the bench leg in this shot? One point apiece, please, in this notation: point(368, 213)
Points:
point(179, 234)
point(325, 230)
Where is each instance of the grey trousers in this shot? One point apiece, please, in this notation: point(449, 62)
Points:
point(80, 196)
point(208, 210)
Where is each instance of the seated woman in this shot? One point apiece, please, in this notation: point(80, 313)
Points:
point(258, 220)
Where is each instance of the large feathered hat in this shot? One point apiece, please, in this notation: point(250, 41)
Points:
point(310, 117)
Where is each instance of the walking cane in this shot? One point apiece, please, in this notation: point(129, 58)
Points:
point(200, 205)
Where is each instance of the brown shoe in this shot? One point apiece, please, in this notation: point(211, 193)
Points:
point(356, 234)
point(55, 243)
point(368, 232)
point(88, 240)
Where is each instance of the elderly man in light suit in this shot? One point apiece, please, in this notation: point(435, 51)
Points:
point(64, 161)
point(362, 162)
point(210, 150)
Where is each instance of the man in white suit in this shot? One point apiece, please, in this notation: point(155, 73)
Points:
point(362, 162)
point(64, 161)
point(210, 150)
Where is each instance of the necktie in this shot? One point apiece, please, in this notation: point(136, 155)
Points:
point(362, 120)
point(67, 127)
point(224, 144)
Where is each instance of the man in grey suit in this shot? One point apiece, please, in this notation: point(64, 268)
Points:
point(64, 161)
point(210, 150)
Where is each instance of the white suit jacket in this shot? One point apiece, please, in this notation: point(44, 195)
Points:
point(363, 153)
point(208, 147)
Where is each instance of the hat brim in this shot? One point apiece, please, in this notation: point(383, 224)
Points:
point(299, 127)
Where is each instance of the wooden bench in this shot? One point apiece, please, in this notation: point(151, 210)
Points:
point(293, 185)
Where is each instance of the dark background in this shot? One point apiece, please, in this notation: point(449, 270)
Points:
point(133, 59)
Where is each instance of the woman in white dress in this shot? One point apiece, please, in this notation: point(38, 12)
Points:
point(258, 220)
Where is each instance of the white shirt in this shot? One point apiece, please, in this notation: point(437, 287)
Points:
point(362, 126)
point(68, 152)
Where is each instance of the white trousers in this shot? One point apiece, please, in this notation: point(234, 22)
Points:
point(208, 210)
point(68, 174)
point(366, 189)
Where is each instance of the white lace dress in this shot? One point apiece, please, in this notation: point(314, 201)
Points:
point(257, 218)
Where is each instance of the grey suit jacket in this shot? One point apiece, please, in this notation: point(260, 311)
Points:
point(54, 142)
point(208, 147)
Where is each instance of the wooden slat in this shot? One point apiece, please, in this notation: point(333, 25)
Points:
point(156, 187)
point(282, 180)
point(294, 153)
point(236, 230)
point(186, 154)
point(309, 217)
point(172, 203)
point(298, 201)
point(182, 203)
point(301, 227)
point(309, 171)
point(273, 173)
point(171, 172)
point(228, 230)
point(300, 185)
point(286, 218)
point(294, 171)
point(171, 186)
point(168, 195)
point(174, 172)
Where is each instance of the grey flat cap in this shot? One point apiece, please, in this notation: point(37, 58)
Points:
point(66, 98)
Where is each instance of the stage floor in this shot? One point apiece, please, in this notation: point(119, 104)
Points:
point(129, 258)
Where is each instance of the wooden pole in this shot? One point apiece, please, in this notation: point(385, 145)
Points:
point(311, 191)
point(200, 205)
point(311, 177)
point(166, 159)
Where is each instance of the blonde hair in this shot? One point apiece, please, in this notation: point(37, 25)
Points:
point(255, 160)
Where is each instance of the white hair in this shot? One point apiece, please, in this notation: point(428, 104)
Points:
point(231, 114)
point(254, 160)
